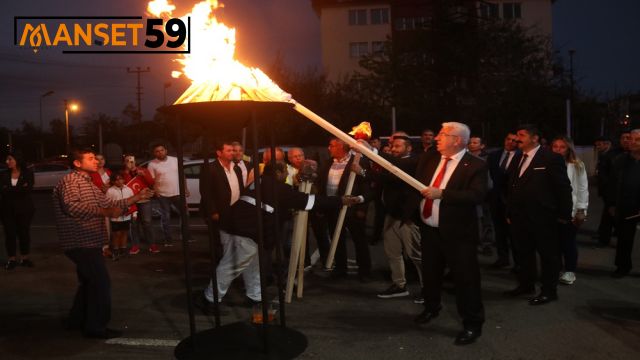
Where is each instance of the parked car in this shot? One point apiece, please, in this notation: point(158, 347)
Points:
point(47, 175)
point(192, 174)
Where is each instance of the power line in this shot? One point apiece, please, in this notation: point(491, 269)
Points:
point(138, 72)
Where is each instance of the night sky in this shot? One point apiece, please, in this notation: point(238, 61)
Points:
point(604, 33)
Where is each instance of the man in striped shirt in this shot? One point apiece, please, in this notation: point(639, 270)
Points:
point(80, 209)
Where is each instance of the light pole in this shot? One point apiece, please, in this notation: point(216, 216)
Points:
point(67, 107)
point(50, 92)
point(164, 93)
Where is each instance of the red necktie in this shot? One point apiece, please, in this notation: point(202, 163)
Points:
point(428, 203)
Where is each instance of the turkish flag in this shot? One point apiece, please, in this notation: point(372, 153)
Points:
point(137, 184)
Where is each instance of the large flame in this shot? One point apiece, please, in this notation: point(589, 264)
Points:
point(362, 132)
point(215, 74)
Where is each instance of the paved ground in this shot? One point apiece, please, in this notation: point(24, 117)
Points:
point(597, 318)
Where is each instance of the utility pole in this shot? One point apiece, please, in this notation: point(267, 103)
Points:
point(138, 71)
point(570, 118)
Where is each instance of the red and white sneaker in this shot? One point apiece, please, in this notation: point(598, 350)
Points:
point(135, 249)
point(154, 249)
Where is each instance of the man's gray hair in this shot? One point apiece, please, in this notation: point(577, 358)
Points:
point(460, 129)
point(635, 131)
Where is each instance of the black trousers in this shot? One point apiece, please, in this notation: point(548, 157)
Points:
point(91, 309)
point(16, 228)
point(605, 229)
point(460, 256)
point(501, 230)
point(540, 237)
point(626, 234)
point(356, 228)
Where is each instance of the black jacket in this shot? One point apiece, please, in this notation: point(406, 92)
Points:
point(215, 192)
point(467, 187)
point(361, 186)
point(17, 199)
point(243, 215)
point(396, 192)
point(544, 190)
point(623, 191)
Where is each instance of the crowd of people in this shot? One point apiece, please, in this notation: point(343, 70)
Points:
point(522, 199)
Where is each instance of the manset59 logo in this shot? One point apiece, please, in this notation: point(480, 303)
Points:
point(101, 34)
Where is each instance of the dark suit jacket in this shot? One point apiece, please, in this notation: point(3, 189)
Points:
point(466, 189)
point(17, 199)
point(396, 192)
point(543, 193)
point(215, 192)
point(498, 176)
point(361, 185)
point(243, 215)
point(622, 192)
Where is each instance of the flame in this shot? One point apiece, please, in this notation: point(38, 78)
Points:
point(214, 72)
point(362, 131)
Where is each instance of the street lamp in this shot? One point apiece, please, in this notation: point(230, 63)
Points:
point(67, 107)
point(50, 92)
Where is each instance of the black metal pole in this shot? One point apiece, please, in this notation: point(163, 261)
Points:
point(260, 240)
point(185, 232)
point(213, 230)
point(276, 235)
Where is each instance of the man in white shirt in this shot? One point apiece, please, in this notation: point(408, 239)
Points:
point(456, 183)
point(164, 170)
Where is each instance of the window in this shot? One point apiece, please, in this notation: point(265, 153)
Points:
point(377, 47)
point(358, 49)
point(379, 16)
point(511, 11)
point(488, 11)
point(192, 171)
point(358, 17)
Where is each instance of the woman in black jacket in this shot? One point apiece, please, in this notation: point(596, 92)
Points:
point(16, 210)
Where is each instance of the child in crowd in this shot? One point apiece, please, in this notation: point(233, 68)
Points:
point(120, 225)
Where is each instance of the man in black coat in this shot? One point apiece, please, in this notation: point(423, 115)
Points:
point(498, 162)
point(456, 183)
point(332, 180)
point(623, 195)
point(242, 255)
point(538, 198)
point(220, 187)
point(606, 154)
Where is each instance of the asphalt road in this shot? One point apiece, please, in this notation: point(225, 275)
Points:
point(596, 318)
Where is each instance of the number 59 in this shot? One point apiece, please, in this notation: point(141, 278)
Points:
point(158, 34)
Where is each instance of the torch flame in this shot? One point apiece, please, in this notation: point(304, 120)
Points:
point(215, 74)
point(362, 131)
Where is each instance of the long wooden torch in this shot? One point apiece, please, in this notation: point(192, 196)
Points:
point(360, 132)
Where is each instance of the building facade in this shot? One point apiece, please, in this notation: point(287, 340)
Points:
point(353, 28)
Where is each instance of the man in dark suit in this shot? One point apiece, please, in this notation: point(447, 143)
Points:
point(498, 162)
point(606, 154)
point(332, 180)
point(538, 198)
point(456, 183)
point(220, 187)
point(623, 195)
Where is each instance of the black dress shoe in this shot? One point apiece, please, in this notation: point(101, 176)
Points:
point(542, 299)
point(519, 291)
point(427, 315)
point(106, 334)
point(467, 336)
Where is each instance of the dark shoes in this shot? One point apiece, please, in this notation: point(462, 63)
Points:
point(542, 299)
point(106, 334)
point(394, 291)
point(519, 291)
point(620, 273)
point(427, 315)
point(467, 336)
